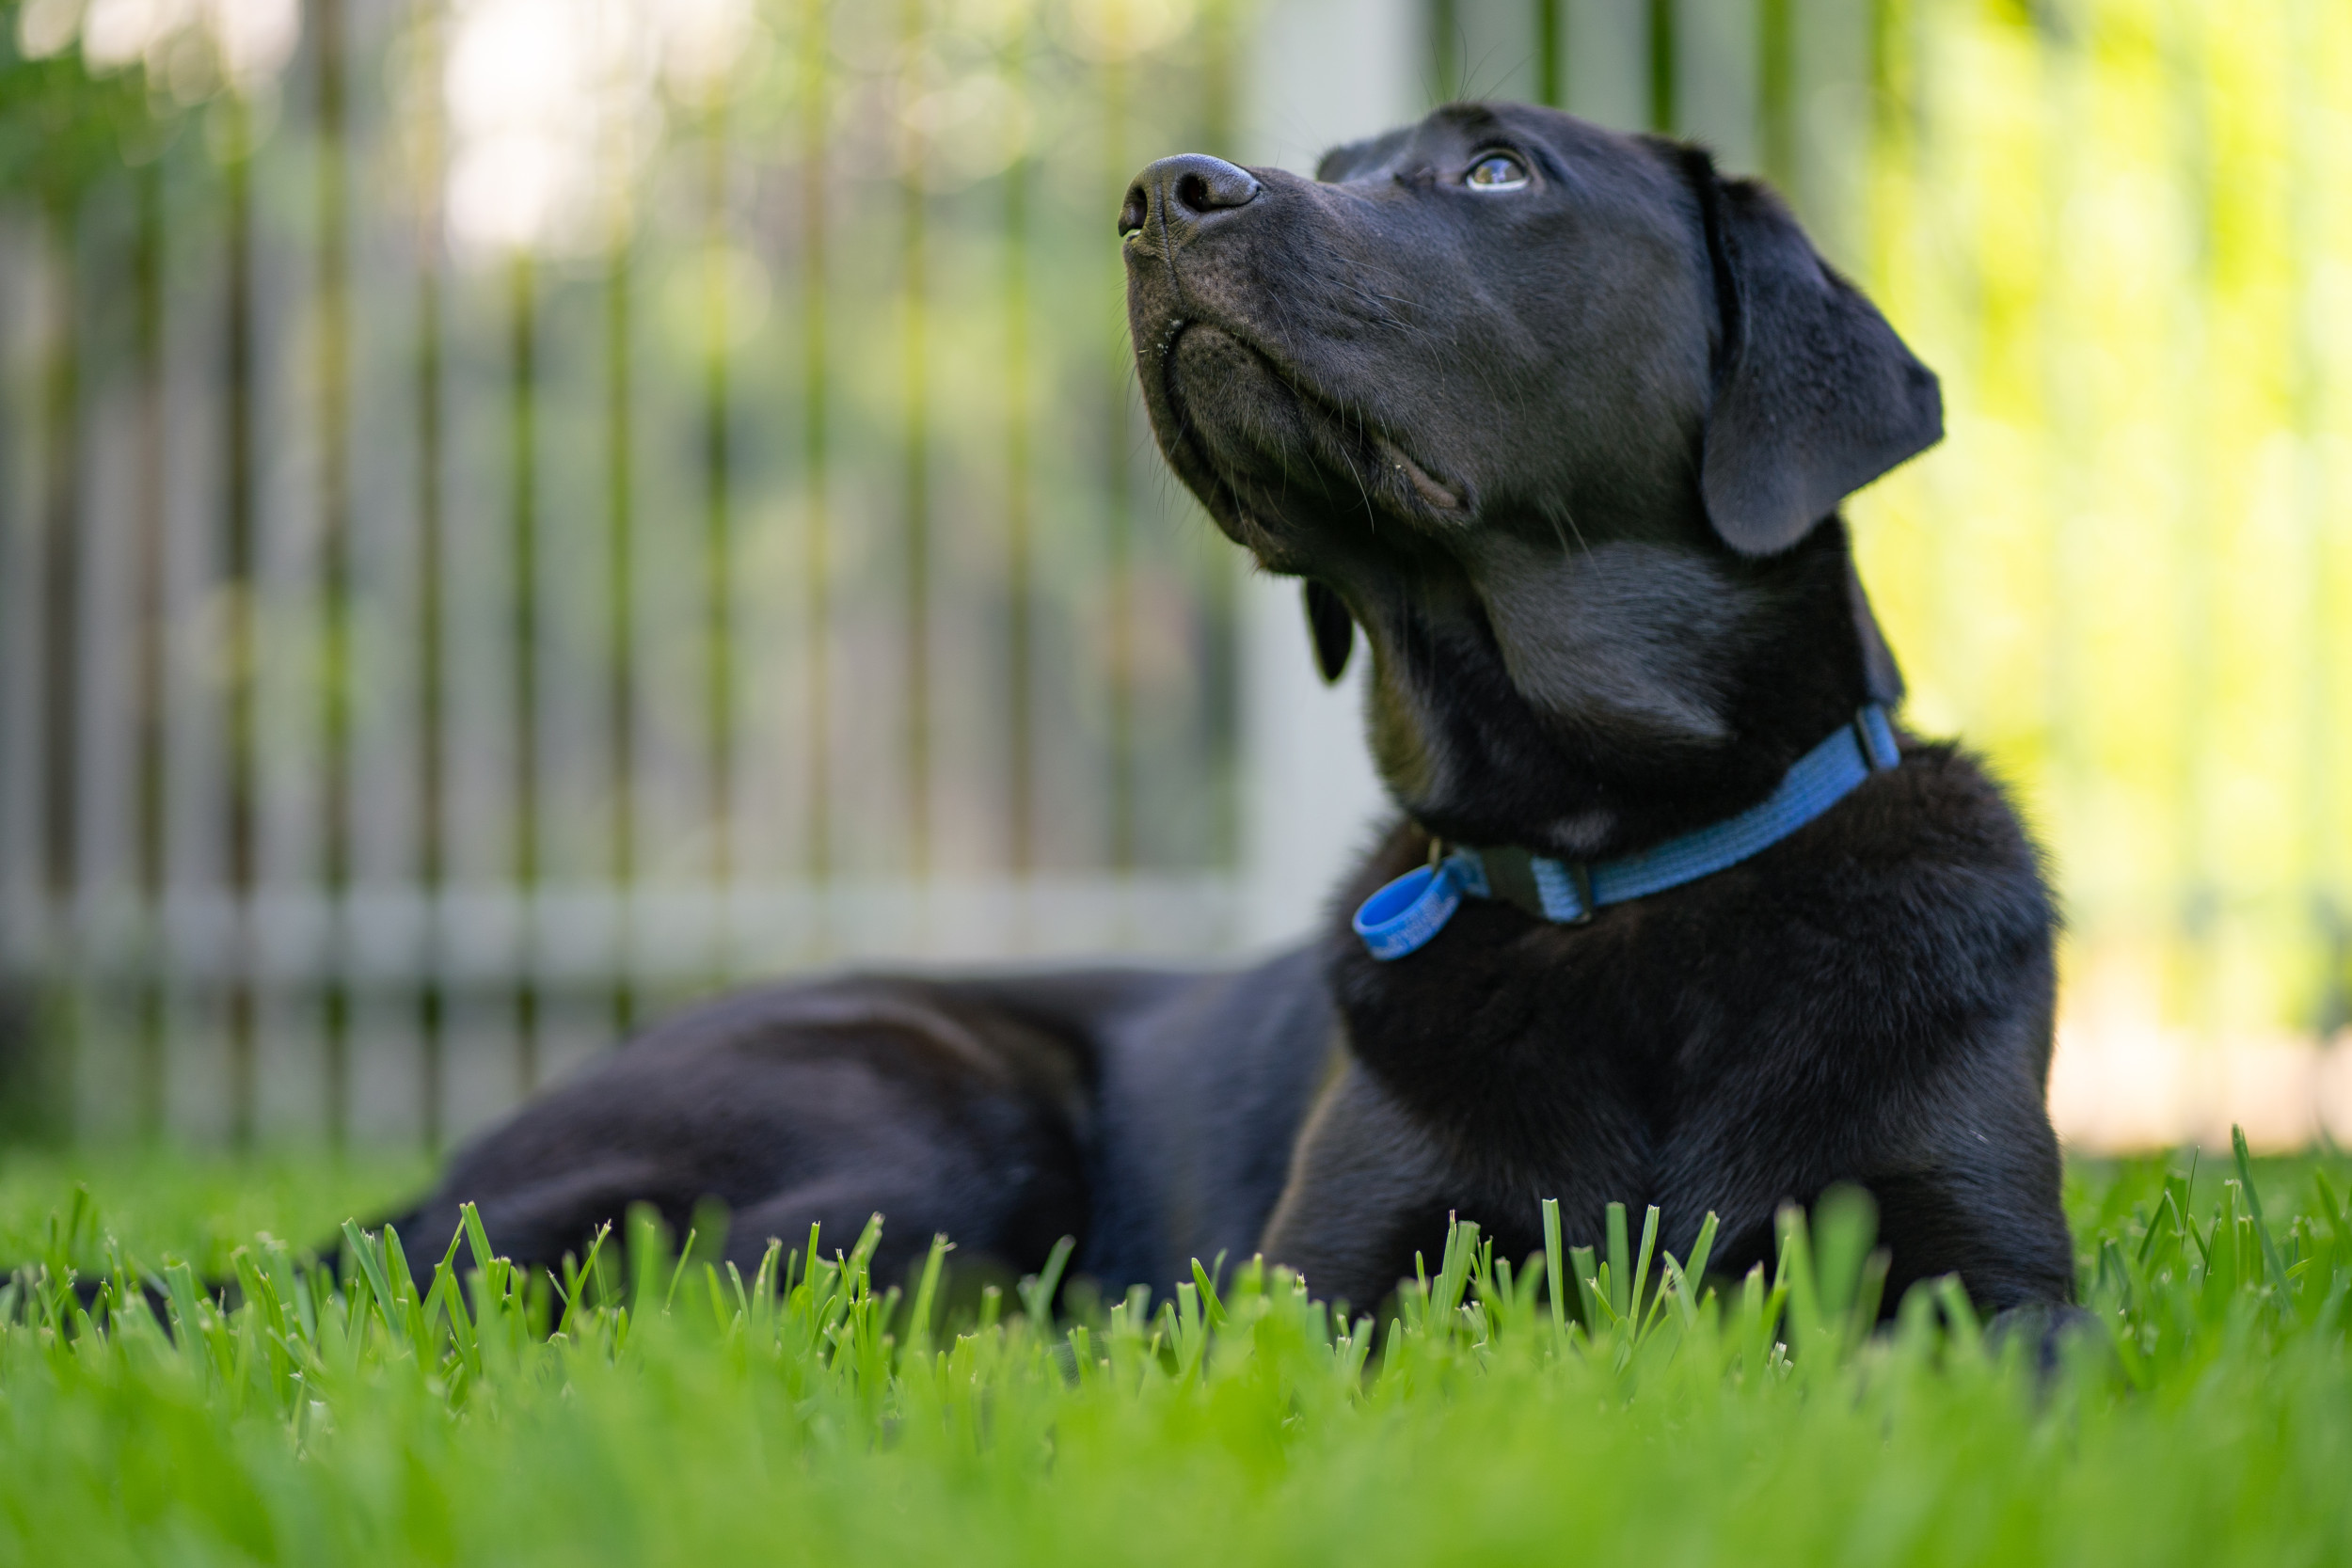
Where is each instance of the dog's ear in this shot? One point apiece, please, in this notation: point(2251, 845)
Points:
point(1333, 632)
point(1815, 396)
point(1881, 679)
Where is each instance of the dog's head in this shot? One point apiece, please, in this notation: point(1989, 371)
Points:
point(1561, 419)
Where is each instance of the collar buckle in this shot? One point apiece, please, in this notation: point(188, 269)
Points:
point(1580, 878)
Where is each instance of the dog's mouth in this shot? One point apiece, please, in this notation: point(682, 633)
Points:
point(1271, 453)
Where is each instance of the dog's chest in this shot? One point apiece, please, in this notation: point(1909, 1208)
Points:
point(1596, 1038)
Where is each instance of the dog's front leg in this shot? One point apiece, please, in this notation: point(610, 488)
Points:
point(1366, 1191)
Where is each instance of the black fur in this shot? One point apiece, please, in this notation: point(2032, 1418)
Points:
point(1567, 452)
point(1334, 633)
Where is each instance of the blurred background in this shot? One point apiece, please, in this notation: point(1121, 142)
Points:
point(517, 513)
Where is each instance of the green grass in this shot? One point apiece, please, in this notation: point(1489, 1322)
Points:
point(451, 1411)
point(161, 1203)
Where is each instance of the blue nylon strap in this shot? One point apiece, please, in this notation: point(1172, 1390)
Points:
point(1405, 914)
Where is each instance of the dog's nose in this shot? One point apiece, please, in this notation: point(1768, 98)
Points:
point(1178, 194)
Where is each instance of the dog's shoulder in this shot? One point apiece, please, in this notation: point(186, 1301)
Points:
point(1925, 885)
point(1944, 805)
point(1940, 827)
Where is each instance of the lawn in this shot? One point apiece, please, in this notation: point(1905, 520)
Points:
point(645, 1411)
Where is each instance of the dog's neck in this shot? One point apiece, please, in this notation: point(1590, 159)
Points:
point(1406, 913)
point(1594, 706)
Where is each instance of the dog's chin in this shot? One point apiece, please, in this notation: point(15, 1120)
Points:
point(1279, 461)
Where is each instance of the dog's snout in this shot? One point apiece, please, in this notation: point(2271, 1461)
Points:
point(1176, 195)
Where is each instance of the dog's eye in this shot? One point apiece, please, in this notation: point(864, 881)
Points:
point(1498, 171)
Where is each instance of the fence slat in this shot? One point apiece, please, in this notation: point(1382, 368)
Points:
point(432, 716)
point(332, 329)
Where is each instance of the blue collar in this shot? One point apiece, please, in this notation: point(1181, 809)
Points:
point(1404, 915)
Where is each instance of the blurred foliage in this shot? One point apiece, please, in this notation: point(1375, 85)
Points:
point(2115, 229)
point(64, 128)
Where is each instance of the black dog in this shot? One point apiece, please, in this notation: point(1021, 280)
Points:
point(1561, 420)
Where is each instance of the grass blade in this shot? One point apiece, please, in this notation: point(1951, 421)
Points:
point(2271, 1265)
point(920, 1326)
point(1036, 1291)
point(1620, 1263)
point(1552, 1283)
point(1642, 1260)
